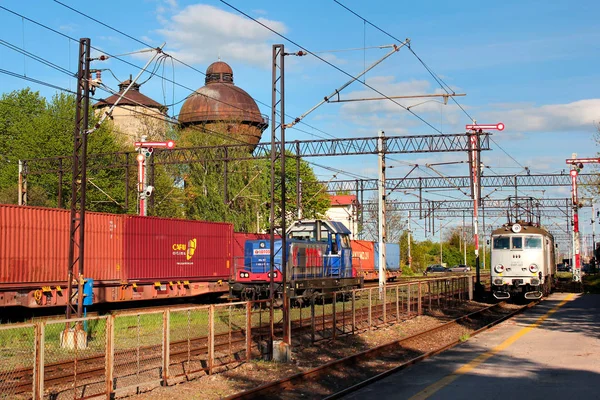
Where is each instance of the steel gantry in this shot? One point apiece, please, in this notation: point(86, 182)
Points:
point(452, 182)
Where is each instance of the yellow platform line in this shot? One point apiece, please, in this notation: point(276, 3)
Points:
point(445, 381)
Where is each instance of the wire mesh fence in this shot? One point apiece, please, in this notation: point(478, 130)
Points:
point(17, 354)
point(132, 351)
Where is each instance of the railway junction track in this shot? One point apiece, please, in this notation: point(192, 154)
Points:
point(139, 351)
point(340, 377)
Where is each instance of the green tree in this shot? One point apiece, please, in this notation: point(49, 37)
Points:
point(246, 200)
point(32, 128)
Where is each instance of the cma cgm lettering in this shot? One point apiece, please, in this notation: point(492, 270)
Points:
point(187, 250)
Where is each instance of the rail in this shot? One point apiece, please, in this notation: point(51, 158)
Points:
point(131, 351)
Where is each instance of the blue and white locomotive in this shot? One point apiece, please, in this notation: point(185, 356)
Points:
point(522, 263)
point(318, 260)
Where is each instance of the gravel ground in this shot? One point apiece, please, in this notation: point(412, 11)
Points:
point(256, 373)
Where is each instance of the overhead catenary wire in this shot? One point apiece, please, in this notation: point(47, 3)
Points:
point(183, 63)
point(439, 80)
point(331, 64)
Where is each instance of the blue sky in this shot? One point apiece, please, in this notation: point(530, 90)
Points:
point(530, 64)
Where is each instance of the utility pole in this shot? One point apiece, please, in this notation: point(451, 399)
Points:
point(409, 255)
point(381, 147)
point(441, 247)
point(464, 235)
point(475, 163)
point(593, 231)
point(78, 183)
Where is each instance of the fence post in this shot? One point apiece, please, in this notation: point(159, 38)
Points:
point(211, 337)
point(312, 318)
point(38, 368)
point(370, 291)
point(166, 344)
point(408, 305)
point(470, 289)
point(110, 354)
point(384, 304)
point(397, 305)
point(420, 301)
point(248, 331)
point(353, 311)
point(333, 303)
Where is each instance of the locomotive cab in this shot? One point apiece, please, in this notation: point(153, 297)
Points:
point(522, 260)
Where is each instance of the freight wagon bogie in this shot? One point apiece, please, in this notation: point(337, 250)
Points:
point(55, 296)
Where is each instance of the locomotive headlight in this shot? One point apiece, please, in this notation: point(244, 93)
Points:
point(534, 268)
point(244, 275)
point(499, 268)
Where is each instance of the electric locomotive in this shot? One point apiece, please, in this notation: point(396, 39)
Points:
point(318, 260)
point(523, 261)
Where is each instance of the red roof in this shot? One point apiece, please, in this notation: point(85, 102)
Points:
point(343, 200)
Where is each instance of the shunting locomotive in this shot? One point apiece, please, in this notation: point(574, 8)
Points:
point(318, 260)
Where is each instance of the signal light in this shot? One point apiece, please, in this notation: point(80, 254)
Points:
point(148, 151)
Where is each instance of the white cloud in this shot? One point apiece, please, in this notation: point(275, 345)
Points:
point(200, 33)
point(578, 115)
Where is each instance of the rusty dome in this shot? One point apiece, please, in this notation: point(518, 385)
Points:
point(221, 101)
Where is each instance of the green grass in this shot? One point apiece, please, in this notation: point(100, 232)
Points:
point(591, 283)
point(564, 275)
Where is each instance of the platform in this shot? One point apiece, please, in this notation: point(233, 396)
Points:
point(551, 351)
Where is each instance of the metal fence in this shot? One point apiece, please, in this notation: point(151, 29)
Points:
point(129, 352)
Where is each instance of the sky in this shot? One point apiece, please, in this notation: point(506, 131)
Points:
point(532, 65)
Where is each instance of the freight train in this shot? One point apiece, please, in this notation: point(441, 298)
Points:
point(523, 261)
point(131, 258)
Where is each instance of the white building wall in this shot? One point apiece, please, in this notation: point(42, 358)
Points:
point(346, 215)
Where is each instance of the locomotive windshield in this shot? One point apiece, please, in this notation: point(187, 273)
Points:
point(501, 243)
point(517, 242)
point(533, 242)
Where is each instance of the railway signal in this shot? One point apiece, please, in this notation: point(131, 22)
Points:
point(145, 150)
point(576, 167)
point(485, 127)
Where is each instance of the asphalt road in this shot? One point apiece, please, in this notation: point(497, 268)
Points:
point(549, 352)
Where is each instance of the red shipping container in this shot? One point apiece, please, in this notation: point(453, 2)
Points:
point(172, 249)
point(363, 255)
point(34, 246)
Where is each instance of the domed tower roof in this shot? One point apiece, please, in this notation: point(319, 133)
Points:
point(221, 101)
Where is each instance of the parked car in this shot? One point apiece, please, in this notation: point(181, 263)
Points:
point(586, 268)
point(460, 268)
point(563, 268)
point(435, 268)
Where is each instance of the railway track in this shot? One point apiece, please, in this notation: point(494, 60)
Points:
point(338, 378)
point(91, 369)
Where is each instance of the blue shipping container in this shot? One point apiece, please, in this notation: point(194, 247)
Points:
point(392, 256)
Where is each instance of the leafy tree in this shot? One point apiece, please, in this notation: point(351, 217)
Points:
point(33, 128)
point(247, 201)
